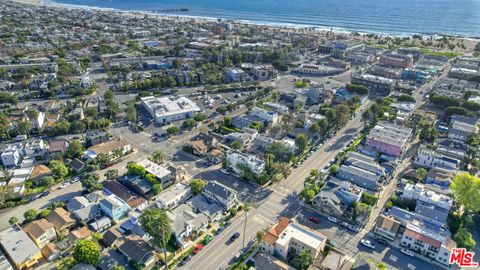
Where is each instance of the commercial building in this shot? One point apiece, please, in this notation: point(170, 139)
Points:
point(318, 70)
point(165, 110)
point(389, 139)
point(264, 72)
point(378, 86)
point(287, 239)
point(19, 248)
point(396, 60)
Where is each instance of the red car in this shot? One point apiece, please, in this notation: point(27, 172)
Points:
point(198, 248)
point(314, 219)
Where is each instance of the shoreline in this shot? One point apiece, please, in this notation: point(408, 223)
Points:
point(203, 19)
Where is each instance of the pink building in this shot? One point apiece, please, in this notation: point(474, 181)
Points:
point(390, 139)
point(396, 60)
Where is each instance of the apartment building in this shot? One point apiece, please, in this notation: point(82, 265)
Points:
point(378, 86)
point(253, 163)
point(287, 239)
point(389, 139)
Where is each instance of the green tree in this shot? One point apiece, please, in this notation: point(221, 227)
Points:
point(90, 182)
point(197, 185)
point(86, 251)
point(200, 117)
point(301, 142)
point(24, 127)
point(44, 213)
point(421, 173)
point(102, 160)
point(111, 174)
point(464, 239)
point(48, 181)
point(303, 261)
point(280, 152)
point(13, 220)
point(157, 188)
point(59, 170)
point(156, 223)
point(189, 123)
point(236, 145)
point(5, 126)
point(74, 150)
point(466, 191)
point(406, 98)
point(30, 215)
point(334, 169)
point(173, 130)
point(357, 89)
point(135, 169)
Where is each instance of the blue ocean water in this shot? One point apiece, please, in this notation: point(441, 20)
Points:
point(397, 17)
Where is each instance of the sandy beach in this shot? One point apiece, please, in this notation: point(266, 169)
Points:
point(343, 34)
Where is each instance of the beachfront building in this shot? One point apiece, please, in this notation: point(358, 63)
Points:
point(165, 110)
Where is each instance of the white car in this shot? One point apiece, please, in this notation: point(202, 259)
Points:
point(407, 252)
point(332, 219)
point(367, 243)
point(64, 185)
point(224, 171)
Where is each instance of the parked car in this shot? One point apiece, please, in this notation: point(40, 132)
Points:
point(407, 252)
point(332, 219)
point(185, 260)
point(382, 241)
point(353, 228)
point(197, 248)
point(219, 230)
point(344, 224)
point(238, 256)
point(224, 171)
point(234, 237)
point(314, 219)
point(64, 185)
point(367, 243)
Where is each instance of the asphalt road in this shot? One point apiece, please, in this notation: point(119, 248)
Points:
point(282, 201)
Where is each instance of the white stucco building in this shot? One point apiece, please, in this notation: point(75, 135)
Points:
point(254, 164)
point(165, 110)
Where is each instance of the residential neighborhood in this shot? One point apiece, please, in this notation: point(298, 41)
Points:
point(131, 141)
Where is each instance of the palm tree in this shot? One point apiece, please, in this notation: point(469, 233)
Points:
point(156, 223)
point(246, 208)
point(118, 153)
point(24, 127)
point(157, 156)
